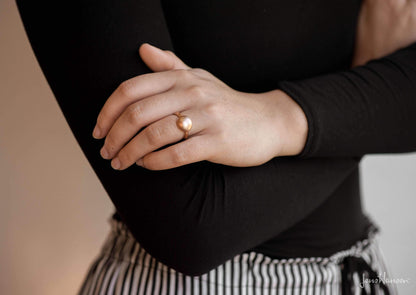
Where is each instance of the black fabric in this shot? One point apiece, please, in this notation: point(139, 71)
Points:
point(368, 109)
point(195, 217)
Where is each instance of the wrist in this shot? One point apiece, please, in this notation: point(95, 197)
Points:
point(291, 123)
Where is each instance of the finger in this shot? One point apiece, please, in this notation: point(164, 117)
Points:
point(155, 136)
point(140, 114)
point(131, 91)
point(160, 60)
point(191, 150)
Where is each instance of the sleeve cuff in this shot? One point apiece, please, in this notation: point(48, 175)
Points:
point(288, 88)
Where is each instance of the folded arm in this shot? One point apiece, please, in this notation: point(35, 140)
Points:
point(367, 109)
point(370, 108)
point(193, 217)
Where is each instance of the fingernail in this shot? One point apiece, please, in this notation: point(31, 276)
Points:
point(115, 163)
point(139, 162)
point(104, 153)
point(96, 133)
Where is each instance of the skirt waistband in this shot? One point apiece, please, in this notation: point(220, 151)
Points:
point(250, 272)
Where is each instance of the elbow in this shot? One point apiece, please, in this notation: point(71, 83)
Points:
point(187, 253)
point(182, 228)
point(193, 265)
point(195, 253)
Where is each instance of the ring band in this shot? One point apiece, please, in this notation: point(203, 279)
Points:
point(184, 123)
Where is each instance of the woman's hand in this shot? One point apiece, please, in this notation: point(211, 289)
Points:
point(229, 127)
point(384, 26)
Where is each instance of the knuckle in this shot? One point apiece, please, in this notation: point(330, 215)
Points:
point(213, 109)
point(196, 91)
point(201, 72)
point(133, 114)
point(154, 134)
point(178, 156)
point(125, 157)
point(126, 88)
point(184, 74)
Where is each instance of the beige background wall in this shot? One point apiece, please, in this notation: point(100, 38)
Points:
point(53, 210)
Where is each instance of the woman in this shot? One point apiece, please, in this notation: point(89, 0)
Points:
point(260, 194)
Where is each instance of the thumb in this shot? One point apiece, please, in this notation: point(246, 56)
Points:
point(159, 60)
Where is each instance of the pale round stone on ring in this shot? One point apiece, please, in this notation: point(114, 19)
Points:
point(184, 123)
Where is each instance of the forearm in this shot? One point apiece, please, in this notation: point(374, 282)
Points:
point(367, 109)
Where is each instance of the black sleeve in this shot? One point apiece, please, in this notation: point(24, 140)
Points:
point(194, 217)
point(367, 109)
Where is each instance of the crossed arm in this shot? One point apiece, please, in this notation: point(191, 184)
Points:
point(87, 50)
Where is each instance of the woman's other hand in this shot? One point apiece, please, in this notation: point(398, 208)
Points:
point(384, 26)
point(228, 127)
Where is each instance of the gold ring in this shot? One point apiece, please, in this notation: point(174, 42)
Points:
point(184, 123)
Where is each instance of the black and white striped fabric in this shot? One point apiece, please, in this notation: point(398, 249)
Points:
point(124, 267)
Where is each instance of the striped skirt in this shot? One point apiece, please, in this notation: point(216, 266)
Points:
point(124, 267)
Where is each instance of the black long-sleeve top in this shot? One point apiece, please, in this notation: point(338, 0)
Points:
point(197, 216)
